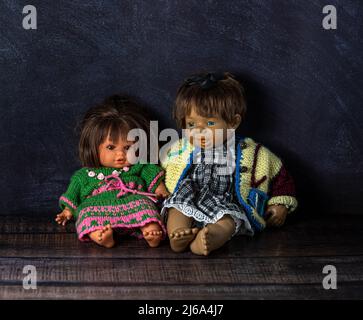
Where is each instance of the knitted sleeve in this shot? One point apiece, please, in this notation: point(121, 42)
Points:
point(152, 175)
point(176, 149)
point(282, 190)
point(165, 158)
point(71, 198)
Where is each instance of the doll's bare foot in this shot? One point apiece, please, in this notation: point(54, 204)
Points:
point(103, 237)
point(201, 244)
point(152, 234)
point(213, 236)
point(181, 238)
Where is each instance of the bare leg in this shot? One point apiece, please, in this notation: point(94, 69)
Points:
point(152, 233)
point(103, 237)
point(179, 230)
point(213, 236)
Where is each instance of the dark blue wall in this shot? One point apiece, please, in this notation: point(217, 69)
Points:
point(304, 85)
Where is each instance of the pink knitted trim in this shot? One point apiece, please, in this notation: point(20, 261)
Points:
point(118, 208)
point(82, 235)
point(67, 201)
point(125, 219)
point(160, 174)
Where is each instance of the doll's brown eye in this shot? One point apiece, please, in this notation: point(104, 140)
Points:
point(190, 124)
point(110, 147)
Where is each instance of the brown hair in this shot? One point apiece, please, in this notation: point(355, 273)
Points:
point(116, 116)
point(210, 94)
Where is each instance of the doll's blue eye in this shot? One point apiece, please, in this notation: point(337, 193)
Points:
point(190, 124)
point(210, 123)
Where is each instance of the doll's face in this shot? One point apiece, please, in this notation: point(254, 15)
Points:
point(115, 154)
point(208, 132)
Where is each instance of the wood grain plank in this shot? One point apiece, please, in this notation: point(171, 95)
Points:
point(33, 224)
point(268, 244)
point(303, 225)
point(277, 264)
point(187, 292)
point(236, 271)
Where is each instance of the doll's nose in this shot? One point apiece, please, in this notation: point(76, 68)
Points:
point(201, 128)
point(120, 154)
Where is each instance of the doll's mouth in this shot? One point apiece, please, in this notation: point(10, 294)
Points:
point(204, 142)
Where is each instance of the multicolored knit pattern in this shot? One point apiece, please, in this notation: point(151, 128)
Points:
point(260, 177)
point(95, 202)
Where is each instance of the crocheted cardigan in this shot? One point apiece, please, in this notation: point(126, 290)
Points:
point(260, 177)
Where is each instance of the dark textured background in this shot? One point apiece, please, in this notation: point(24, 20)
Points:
point(304, 85)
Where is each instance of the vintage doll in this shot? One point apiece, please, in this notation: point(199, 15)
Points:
point(109, 193)
point(206, 208)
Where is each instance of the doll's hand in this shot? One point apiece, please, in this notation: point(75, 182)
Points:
point(276, 215)
point(64, 217)
point(161, 191)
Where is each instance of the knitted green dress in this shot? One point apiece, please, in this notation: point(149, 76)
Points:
point(119, 197)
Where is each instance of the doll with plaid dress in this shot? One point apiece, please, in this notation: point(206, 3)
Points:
point(221, 184)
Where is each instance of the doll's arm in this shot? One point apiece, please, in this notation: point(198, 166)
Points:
point(161, 190)
point(63, 217)
point(69, 201)
point(282, 199)
point(153, 175)
point(282, 191)
point(276, 215)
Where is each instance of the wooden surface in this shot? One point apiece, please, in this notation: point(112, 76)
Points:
point(277, 264)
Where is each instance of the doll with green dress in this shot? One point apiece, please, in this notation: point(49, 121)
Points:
point(113, 191)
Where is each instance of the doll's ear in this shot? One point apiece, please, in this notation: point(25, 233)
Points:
point(236, 121)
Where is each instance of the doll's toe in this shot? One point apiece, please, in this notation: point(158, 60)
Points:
point(206, 231)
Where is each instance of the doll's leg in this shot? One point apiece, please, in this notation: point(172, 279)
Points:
point(179, 230)
point(213, 236)
point(152, 233)
point(103, 237)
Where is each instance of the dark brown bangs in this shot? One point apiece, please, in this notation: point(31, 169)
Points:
point(119, 129)
point(224, 100)
point(114, 118)
point(209, 104)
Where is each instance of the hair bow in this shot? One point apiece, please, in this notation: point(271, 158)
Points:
point(205, 81)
